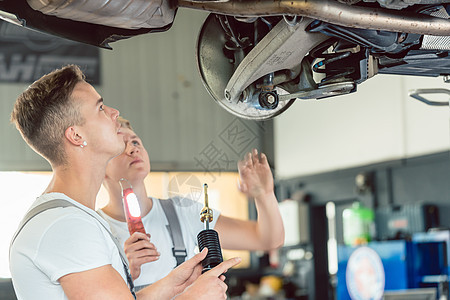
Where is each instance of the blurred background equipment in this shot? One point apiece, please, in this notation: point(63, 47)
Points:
point(401, 221)
point(418, 268)
point(358, 224)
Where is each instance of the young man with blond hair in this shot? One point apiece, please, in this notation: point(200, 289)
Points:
point(152, 258)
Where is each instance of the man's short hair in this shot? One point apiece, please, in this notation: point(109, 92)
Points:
point(45, 110)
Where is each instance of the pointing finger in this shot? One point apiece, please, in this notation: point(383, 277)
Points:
point(224, 266)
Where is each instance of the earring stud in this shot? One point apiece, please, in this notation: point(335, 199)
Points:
point(84, 144)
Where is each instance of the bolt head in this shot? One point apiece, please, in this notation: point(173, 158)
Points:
point(270, 99)
point(227, 95)
point(447, 78)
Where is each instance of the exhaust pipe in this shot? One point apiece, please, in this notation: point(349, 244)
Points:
point(328, 11)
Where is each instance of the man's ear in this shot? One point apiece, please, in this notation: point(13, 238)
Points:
point(72, 135)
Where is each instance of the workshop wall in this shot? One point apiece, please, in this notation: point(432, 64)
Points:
point(379, 122)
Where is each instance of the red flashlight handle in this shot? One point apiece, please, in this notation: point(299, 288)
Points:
point(134, 223)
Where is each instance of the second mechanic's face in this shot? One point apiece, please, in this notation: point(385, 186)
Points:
point(133, 164)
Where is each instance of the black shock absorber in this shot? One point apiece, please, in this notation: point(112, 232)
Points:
point(332, 64)
point(209, 238)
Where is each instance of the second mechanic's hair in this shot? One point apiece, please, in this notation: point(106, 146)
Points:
point(124, 123)
point(45, 110)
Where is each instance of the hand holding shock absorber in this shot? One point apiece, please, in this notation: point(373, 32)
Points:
point(131, 208)
point(209, 238)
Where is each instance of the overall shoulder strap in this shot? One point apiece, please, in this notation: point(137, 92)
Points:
point(64, 203)
point(37, 210)
point(179, 249)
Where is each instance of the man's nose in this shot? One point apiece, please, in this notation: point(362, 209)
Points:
point(114, 113)
point(131, 149)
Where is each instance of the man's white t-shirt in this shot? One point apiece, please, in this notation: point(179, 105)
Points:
point(58, 242)
point(155, 222)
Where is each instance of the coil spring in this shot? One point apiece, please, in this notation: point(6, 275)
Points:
point(210, 239)
point(332, 75)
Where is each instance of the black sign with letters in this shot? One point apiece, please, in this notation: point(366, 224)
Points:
point(26, 55)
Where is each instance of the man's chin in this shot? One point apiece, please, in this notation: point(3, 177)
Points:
point(119, 151)
point(139, 173)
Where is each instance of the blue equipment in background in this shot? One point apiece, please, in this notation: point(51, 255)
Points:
point(384, 268)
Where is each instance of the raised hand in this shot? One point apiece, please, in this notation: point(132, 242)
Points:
point(255, 177)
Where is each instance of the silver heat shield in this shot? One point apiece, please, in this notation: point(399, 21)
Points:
point(127, 14)
point(431, 42)
point(401, 4)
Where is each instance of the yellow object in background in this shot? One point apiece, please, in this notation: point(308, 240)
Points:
point(274, 282)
